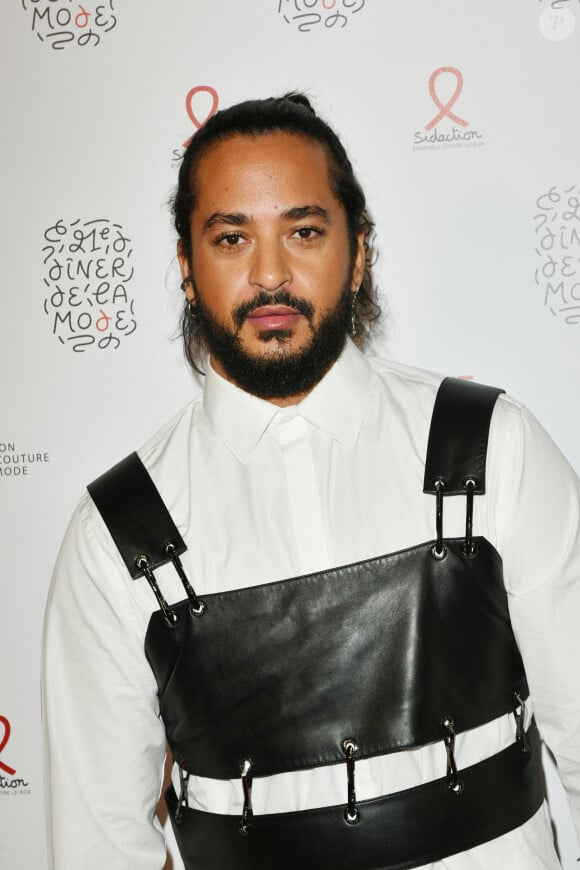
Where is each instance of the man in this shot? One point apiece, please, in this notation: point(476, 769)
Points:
point(335, 692)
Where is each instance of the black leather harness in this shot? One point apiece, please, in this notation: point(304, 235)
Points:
point(371, 658)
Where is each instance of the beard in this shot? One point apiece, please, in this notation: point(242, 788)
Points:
point(277, 373)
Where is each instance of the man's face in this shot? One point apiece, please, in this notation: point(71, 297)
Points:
point(272, 269)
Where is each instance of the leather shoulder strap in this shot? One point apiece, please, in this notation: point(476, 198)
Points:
point(458, 437)
point(135, 514)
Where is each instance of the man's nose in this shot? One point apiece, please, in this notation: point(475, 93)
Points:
point(269, 269)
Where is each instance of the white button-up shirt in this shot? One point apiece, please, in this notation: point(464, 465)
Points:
point(261, 493)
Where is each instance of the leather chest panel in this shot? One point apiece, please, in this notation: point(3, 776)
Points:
point(380, 651)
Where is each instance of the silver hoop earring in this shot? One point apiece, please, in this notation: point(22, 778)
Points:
point(191, 310)
point(353, 329)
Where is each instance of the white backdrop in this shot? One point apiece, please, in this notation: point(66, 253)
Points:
point(462, 121)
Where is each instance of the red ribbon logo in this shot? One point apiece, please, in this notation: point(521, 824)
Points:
point(207, 89)
point(9, 770)
point(445, 109)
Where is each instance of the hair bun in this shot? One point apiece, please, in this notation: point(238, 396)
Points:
point(299, 100)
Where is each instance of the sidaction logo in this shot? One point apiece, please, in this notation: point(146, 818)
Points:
point(207, 101)
point(88, 271)
point(447, 128)
point(59, 23)
point(10, 784)
point(307, 15)
point(201, 103)
point(557, 232)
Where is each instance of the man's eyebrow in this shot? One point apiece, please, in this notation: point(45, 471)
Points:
point(302, 211)
point(239, 219)
point(235, 219)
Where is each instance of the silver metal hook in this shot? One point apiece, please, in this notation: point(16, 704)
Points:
point(197, 606)
point(144, 564)
point(351, 813)
point(247, 812)
point(455, 784)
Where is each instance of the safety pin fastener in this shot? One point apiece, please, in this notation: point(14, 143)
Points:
point(439, 550)
point(520, 717)
point(455, 784)
point(470, 483)
point(247, 812)
point(182, 801)
point(196, 605)
point(351, 813)
point(144, 564)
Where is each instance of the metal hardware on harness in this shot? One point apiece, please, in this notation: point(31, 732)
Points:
point(470, 484)
point(439, 550)
point(351, 813)
point(455, 784)
point(247, 812)
point(520, 717)
point(197, 606)
point(143, 563)
point(182, 800)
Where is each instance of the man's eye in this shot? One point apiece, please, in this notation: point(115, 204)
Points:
point(307, 233)
point(230, 240)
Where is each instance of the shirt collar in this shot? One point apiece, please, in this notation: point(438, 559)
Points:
point(336, 405)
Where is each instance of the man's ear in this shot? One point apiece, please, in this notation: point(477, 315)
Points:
point(187, 284)
point(358, 266)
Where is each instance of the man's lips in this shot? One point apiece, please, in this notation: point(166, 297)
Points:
point(274, 317)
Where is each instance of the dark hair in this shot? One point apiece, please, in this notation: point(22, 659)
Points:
point(291, 113)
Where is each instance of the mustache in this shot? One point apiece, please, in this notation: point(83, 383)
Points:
point(279, 297)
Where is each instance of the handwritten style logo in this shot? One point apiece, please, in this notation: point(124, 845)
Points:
point(436, 134)
point(332, 13)
point(558, 247)
point(445, 109)
point(65, 22)
point(88, 272)
point(197, 123)
point(9, 785)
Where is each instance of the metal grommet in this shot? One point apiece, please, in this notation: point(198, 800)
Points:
point(351, 818)
point(197, 608)
point(469, 551)
point(456, 786)
point(439, 554)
